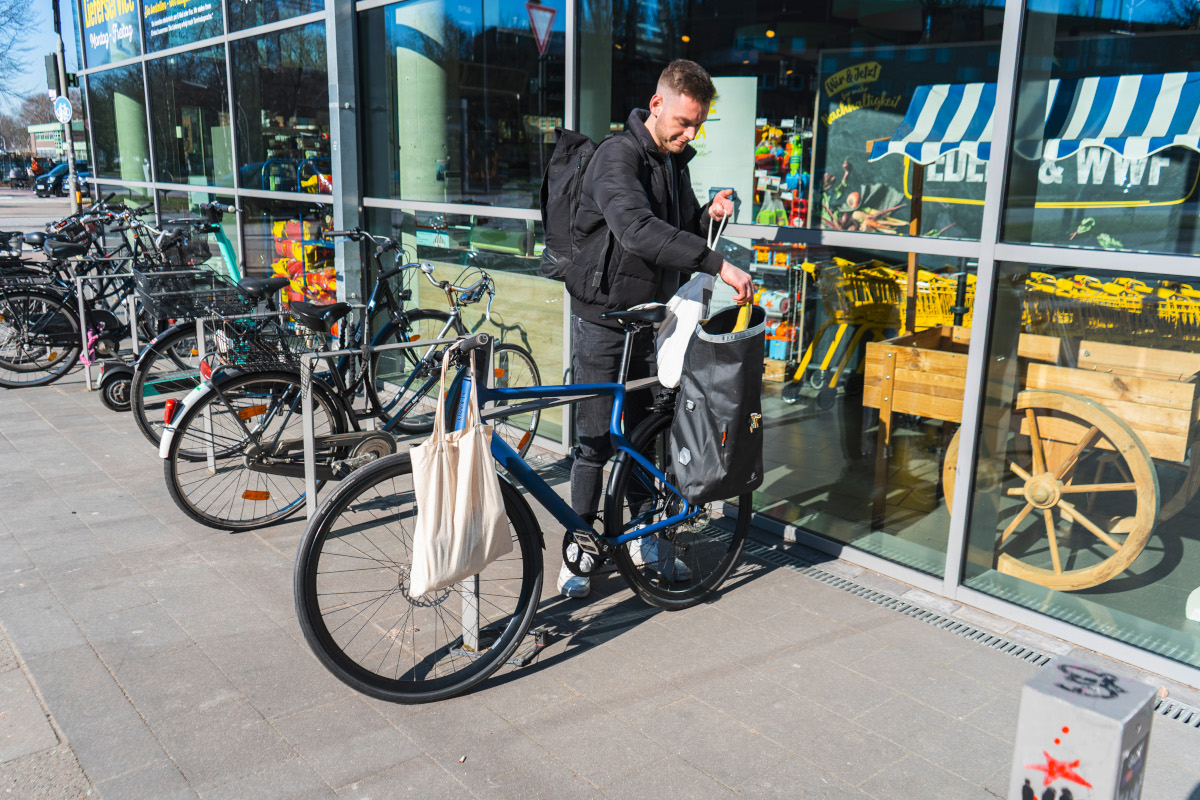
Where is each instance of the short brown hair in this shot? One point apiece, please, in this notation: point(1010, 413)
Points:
point(689, 78)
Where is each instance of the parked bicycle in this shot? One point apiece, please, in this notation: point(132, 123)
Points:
point(352, 567)
point(245, 419)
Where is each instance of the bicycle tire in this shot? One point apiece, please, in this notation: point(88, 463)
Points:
point(172, 362)
point(357, 617)
point(398, 373)
point(227, 493)
point(709, 550)
point(39, 337)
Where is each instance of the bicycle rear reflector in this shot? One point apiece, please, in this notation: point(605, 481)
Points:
point(251, 411)
point(524, 441)
point(252, 495)
point(169, 411)
point(205, 370)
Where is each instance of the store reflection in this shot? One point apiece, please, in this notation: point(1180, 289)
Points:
point(865, 377)
point(1087, 470)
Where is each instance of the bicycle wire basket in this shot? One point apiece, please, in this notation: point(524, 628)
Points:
point(259, 344)
point(179, 294)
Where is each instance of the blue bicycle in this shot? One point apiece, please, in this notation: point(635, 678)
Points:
point(353, 564)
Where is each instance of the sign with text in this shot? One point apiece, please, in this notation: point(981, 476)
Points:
point(110, 31)
point(171, 23)
point(725, 146)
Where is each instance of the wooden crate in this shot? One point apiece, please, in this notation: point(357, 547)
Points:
point(922, 373)
point(775, 370)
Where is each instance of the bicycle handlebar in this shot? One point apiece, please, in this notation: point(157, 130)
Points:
point(471, 343)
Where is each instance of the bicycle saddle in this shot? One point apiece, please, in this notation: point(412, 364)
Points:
point(651, 313)
point(6, 237)
point(319, 318)
point(258, 288)
point(57, 249)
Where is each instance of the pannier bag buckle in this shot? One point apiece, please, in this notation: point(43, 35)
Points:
point(755, 419)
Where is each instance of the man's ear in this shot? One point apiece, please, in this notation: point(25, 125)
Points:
point(656, 104)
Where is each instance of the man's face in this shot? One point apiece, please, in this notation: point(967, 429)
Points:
point(675, 120)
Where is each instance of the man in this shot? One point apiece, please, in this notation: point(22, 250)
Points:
point(640, 232)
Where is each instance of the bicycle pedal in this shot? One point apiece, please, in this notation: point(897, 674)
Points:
point(588, 542)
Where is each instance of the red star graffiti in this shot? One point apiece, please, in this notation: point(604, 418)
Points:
point(1056, 769)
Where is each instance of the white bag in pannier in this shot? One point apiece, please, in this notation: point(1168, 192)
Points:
point(461, 526)
point(685, 309)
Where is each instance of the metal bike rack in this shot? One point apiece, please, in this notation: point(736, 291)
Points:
point(131, 309)
point(306, 374)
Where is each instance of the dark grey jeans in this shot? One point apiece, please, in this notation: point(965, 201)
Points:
point(597, 359)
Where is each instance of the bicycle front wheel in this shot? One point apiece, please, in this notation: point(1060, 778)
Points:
point(226, 468)
point(39, 338)
point(410, 376)
point(351, 589)
point(684, 564)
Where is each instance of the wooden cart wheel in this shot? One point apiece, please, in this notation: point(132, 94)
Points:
point(1089, 492)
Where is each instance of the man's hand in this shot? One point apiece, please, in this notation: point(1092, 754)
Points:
point(740, 281)
point(721, 205)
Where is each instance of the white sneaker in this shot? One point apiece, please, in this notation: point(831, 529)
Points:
point(572, 585)
point(658, 555)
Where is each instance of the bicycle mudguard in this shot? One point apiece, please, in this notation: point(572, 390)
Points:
point(193, 397)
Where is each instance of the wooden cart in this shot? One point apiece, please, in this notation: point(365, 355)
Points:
point(1092, 427)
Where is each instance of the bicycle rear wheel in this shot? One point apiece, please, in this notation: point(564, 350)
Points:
point(682, 565)
point(403, 376)
point(351, 589)
point(39, 337)
point(168, 369)
point(225, 478)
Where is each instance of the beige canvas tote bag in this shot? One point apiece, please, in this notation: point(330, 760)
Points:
point(461, 525)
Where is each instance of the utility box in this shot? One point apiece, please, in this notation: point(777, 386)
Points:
point(1082, 734)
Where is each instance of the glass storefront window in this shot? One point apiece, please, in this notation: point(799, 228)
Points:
point(861, 407)
point(180, 205)
point(1105, 132)
point(462, 100)
point(287, 238)
point(110, 31)
point(252, 13)
point(1085, 485)
point(117, 108)
point(189, 112)
point(281, 89)
point(812, 126)
point(528, 309)
point(172, 23)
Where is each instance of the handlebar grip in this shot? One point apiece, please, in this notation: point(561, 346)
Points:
point(335, 234)
point(471, 342)
point(108, 197)
point(225, 208)
point(142, 209)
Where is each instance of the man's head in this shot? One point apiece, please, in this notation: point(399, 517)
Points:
point(680, 105)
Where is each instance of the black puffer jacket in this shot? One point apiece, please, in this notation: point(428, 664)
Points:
point(623, 229)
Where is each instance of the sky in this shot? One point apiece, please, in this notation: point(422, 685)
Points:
point(41, 42)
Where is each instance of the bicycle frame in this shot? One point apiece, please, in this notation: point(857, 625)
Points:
point(516, 466)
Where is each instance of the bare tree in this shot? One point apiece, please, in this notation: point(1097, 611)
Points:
point(14, 136)
point(15, 19)
point(36, 109)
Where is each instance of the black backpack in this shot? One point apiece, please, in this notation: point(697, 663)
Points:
point(561, 186)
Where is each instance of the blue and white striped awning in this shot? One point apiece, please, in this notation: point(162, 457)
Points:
point(1134, 116)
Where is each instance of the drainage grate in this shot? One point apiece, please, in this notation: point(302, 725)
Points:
point(1180, 712)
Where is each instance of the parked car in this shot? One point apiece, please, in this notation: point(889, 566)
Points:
point(54, 182)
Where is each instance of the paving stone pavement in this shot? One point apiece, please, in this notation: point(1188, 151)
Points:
point(146, 656)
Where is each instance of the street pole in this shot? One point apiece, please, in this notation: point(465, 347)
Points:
point(68, 136)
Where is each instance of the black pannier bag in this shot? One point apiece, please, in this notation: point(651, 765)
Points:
point(717, 435)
